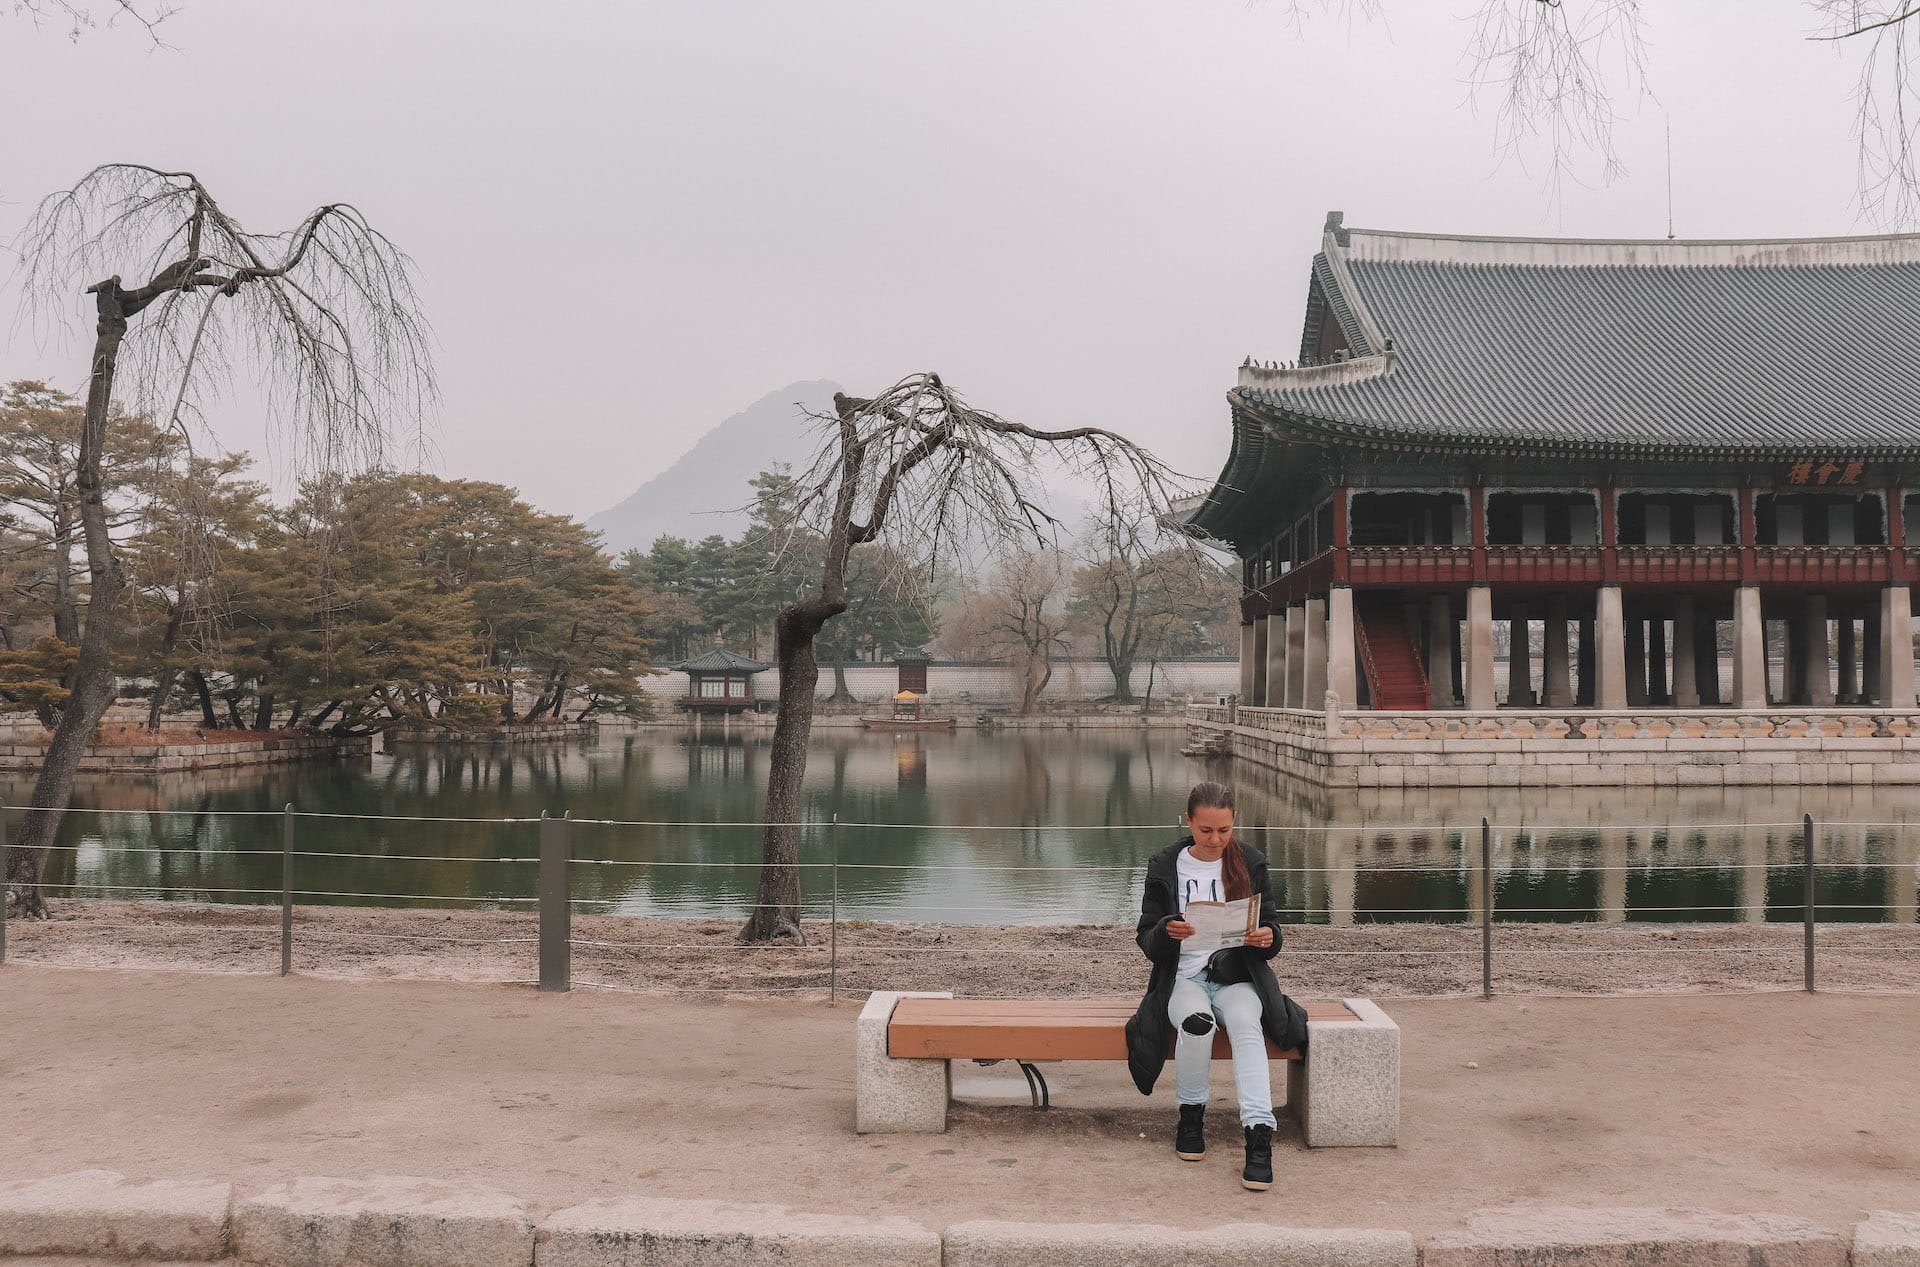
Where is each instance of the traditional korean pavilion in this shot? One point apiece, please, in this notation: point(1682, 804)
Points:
point(1648, 461)
point(718, 682)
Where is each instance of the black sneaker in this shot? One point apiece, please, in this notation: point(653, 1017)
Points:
point(1258, 1174)
point(1190, 1141)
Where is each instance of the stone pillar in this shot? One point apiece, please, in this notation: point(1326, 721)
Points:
point(1609, 650)
point(1873, 682)
point(1276, 666)
point(1657, 662)
point(1586, 679)
point(1848, 690)
point(1816, 681)
point(1707, 660)
point(1555, 684)
point(1342, 661)
point(1313, 691)
point(1440, 651)
point(1635, 649)
point(1686, 671)
point(1749, 650)
point(1480, 647)
point(1519, 660)
point(1249, 651)
point(1896, 645)
point(1297, 655)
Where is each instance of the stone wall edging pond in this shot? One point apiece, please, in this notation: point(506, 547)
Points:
point(159, 758)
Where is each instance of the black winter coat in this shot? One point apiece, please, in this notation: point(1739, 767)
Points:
point(1150, 1033)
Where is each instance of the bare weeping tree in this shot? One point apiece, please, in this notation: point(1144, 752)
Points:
point(324, 313)
point(919, 469)
point(1555, 72)
point(77, 17)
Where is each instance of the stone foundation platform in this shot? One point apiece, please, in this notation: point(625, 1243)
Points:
point(1569, 747)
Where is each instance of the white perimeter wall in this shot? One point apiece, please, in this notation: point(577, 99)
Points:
point(1073, 680)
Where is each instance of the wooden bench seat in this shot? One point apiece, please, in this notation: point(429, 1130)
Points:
point(1344, 1088)
point(1039, 1029)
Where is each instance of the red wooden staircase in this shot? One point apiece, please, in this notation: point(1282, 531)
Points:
point(1389, 653)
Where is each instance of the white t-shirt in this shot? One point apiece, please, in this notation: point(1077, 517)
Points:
point(1196, 881)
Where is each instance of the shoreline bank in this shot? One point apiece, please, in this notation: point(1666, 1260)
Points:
point(700, 957)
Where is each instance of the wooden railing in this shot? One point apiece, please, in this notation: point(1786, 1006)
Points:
point(1634, 565)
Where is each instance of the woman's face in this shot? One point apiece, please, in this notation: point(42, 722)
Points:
point(1212, 831)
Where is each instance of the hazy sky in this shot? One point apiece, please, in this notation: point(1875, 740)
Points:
point(633, 219)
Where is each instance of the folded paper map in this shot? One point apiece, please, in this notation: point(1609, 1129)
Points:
point(1221, 925)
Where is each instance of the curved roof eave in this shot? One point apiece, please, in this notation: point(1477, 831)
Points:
point(1320, 428)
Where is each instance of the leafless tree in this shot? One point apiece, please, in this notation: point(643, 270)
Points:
point(920, 469)
point(77, 17)
point(1556, 68)
point(1556, 71)
point(325, 313)
point(1886, 99)
point(1028, 619)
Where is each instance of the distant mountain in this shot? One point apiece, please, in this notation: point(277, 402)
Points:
point(704, 492)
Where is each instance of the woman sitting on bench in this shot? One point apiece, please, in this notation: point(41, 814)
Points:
point(1191, 990)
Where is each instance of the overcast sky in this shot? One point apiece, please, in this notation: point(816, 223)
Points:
point(633, 219)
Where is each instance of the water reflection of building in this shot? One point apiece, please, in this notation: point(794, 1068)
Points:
point(910, 759)
point(715, 756)
point(1352, 856)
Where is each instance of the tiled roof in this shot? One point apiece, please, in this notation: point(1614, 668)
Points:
point(718, 660)
point(1692, 346)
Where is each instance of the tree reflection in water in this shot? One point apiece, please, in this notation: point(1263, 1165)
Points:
point(976, 804)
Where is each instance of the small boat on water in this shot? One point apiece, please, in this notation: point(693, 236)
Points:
point(907, 716)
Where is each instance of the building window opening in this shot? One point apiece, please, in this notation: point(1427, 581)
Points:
point(1676, 519)
point(1408, 519)
point(1818, 519)
point(1533, 519)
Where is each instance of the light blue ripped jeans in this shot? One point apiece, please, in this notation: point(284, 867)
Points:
point(1237, 1008)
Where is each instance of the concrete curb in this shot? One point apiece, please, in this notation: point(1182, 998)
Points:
point(989, 1244)
point(103, 1214)
point(1887, 1239)
point(637, 1232)
point(98, 1218)
point(382, 1221)
point(1635, 1237)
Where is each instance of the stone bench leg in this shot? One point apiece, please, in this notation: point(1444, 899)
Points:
point(1346, 1093)
point(895, 1096)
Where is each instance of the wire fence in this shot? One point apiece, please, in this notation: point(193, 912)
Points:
point(552, 873)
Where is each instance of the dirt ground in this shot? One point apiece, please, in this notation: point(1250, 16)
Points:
point(1775, 1102)
point(700, 956)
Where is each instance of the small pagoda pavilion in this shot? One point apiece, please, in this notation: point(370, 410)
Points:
point(1671, 474)
point(718, 682)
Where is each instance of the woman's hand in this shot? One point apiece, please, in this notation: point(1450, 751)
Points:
point(1179, 929)
point(1260, 938)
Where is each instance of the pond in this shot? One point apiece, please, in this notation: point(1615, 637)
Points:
point(973, 827)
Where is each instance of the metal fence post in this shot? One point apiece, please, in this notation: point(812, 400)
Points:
point(556, 906)
point(833, 917)
point(1486, 909)
point(3, 883)
point(286, 890)
point(1806, 868)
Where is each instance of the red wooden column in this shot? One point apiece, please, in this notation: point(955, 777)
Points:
point(1342, 536)
point(1749, 534)
point(1609, 537)
point(1897, 569)
point(1477, 532)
